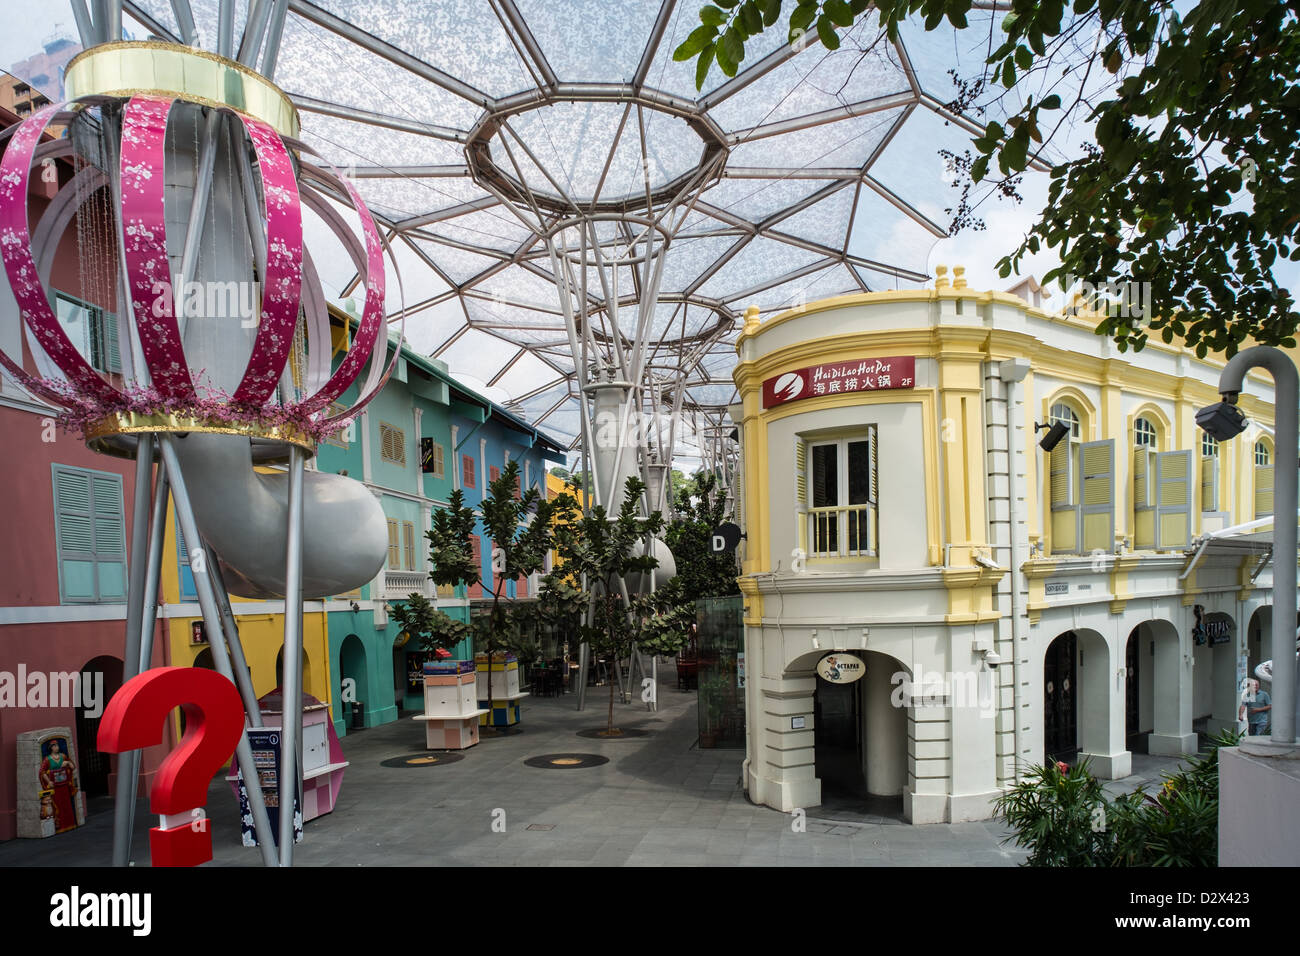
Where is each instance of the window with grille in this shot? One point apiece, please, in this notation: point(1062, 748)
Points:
point(1209, 473)
point(392, 444)
point(493, 474)
point(466, 471)
point(1263, 480)
point(92, 330)
point(1144, 433)
point(836, 489)
point(90, 535)
point(1060, 412)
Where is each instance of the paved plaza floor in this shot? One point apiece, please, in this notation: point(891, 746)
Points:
point(658, 800)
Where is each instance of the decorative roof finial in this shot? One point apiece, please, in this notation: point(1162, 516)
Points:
point(941, 277)
point(959, 277)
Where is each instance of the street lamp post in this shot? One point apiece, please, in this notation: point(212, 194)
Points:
point(1225, 420)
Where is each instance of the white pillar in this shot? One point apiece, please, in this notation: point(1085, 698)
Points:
point(419, 463)
point(885, 733)
point(455, 459)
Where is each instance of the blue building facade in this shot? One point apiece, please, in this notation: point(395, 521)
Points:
point(424, 435)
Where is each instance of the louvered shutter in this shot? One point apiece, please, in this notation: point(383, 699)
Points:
point(467, 471)
point(1173, 500)
point(801, 491)
point(188, 590)
point(1063, 472)
point(74, 534)
point(112, 350)
point(408, 544)
point(1263, 491)
point(1144, 516)
point(1097, 475)
point(1209, 483)
point(394, 547)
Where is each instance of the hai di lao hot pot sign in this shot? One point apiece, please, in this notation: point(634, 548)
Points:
point(835, 378)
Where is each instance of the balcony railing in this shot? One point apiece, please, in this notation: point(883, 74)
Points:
point(847, 532)
point(397, 585)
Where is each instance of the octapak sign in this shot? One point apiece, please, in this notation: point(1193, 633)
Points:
point(833, 378)
point(841, 668)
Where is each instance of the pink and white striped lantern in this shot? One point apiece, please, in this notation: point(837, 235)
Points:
point(291, 289)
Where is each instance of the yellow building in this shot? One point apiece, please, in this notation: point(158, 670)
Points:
point(1008, 605)
point(260, 623)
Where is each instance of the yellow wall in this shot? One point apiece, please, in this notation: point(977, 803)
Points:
point(959, 345)
point(261, 633)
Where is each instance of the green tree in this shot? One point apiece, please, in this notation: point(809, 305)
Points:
point(599, 552)
point(1189, 186)
point(434, 630)
point(703, 572)
point(520, 531)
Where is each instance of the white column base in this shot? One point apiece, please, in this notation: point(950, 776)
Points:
point(1110, 766)
point(925, 807)
point(1172, 745)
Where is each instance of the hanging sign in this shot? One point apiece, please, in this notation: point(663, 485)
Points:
point(833, 378)
point(841, 668)
point(725, 537)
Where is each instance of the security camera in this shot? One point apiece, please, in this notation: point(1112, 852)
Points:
point(1222, 420)
point(993, 660)
point(1054, 435)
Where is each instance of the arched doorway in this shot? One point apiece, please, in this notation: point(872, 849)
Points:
point(99, 680)
point(306, 670)
point(1060, 688)
point(1157, 717)
point(1078, 687)
point(353, 689)
point(860, 734)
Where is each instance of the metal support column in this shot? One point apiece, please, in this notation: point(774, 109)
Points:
point(291, 687)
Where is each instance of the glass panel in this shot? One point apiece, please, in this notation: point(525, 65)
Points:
point(461, 37)
point(825, 476)
point(721, 672)
point(859, 472)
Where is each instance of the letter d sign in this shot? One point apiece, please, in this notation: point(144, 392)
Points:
point(719, 543)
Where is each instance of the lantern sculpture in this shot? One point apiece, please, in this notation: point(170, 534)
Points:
point(182, 176)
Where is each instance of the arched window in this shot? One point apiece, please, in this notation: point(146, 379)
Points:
point(1144, 433)
point(1262, 456)
point(1209, 446)
point(1063, 413)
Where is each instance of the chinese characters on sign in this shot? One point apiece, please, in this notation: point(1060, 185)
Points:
point(858, 375)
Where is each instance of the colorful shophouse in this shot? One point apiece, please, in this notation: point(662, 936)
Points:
point(423, 436)
point(63, 575)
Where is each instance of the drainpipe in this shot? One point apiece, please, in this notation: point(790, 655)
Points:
point(1011, 372)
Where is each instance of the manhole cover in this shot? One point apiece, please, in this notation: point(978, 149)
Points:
point(619, 733)
point(426, 759)
point(566, 761)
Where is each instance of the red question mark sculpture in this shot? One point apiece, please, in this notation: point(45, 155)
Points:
point(214, 720)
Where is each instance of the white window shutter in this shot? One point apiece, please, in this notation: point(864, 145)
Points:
point(1097, 480)
point(1063, 476)
point(1263, 491)
point(1173, 500)
point(1144, 516)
